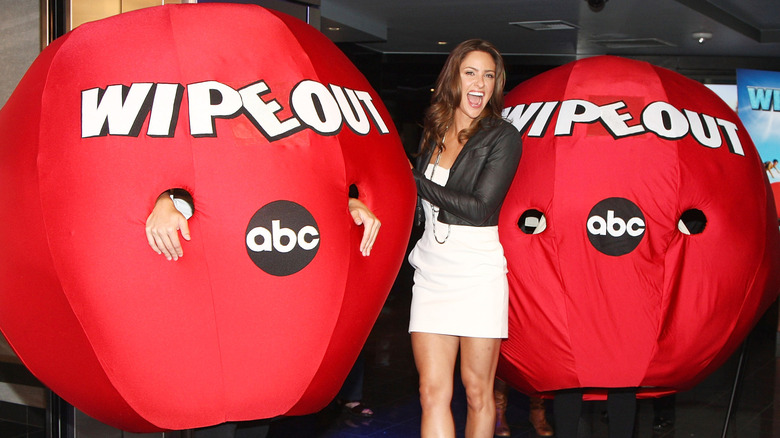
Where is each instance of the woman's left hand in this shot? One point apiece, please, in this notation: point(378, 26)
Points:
point(363, 216)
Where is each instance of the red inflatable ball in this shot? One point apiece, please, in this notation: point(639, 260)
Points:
point(267, 124)
point(640, 231)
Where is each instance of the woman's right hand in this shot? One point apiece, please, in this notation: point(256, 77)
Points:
point(163, 226)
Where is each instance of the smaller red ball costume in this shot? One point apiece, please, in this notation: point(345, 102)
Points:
point(616, 155)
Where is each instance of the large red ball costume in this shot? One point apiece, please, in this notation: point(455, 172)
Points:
point(267, 124)
point(616, 153)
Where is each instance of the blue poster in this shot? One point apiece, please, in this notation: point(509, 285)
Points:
point(758, 96)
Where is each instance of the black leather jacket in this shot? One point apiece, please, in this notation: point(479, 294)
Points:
point(479, 177)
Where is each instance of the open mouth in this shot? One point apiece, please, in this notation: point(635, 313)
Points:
point(475, 98)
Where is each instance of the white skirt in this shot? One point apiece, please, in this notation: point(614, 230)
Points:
point(460, 286)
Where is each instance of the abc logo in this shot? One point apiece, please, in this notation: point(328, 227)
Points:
point(282, 238)
point(615, 226)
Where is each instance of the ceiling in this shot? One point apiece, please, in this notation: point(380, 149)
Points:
point(744, 33)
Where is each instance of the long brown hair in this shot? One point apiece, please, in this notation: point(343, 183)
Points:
point(447, 95)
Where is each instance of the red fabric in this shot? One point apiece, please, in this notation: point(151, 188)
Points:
point(776, 192)
point(144, 344)
point(664, 314)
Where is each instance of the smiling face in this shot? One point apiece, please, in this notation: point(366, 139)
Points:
point(477, 82)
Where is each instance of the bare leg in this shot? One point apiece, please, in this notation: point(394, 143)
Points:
point(478, 360)
point(435, 357)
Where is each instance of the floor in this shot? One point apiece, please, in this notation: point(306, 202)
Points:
point(390, 388)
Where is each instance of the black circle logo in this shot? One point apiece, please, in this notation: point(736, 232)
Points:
point(282, 238)
point(615, 226)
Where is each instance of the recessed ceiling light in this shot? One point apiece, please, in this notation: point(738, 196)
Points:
point(701, 37)
point(441, 43)
point(334, 29)
point(544, 25)
point(631, 43)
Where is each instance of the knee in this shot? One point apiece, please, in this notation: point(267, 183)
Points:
point(479, 396)
point(432, 394)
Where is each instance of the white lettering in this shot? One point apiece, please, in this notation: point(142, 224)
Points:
point(251, 239)
point(615, 226)
point(313, 104)
point(352, 110)
point(209, 100)
point(659, 118)
point(665, 120)
point(635, 226)
point(597, 225)
point(308, 230)
point(162, 121)
point(114, 113)
point(732, 138)
point(364, 97)
point(279, 233)
point(282, 239)
point(519, 117)
point(701, 130)
point(575, 111)
point(616, 122)
point(263, 114)
point(122, 110)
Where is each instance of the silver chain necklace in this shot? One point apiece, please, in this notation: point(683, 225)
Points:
point(435, 209)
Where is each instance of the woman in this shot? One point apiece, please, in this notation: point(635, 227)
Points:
point(468, 158)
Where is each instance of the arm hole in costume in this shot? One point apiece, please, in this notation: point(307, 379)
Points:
point(183, 202)
point(353, 191)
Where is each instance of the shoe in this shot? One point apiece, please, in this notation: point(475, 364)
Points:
point(356, 408)
point(537, 417)
point(500, 395)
